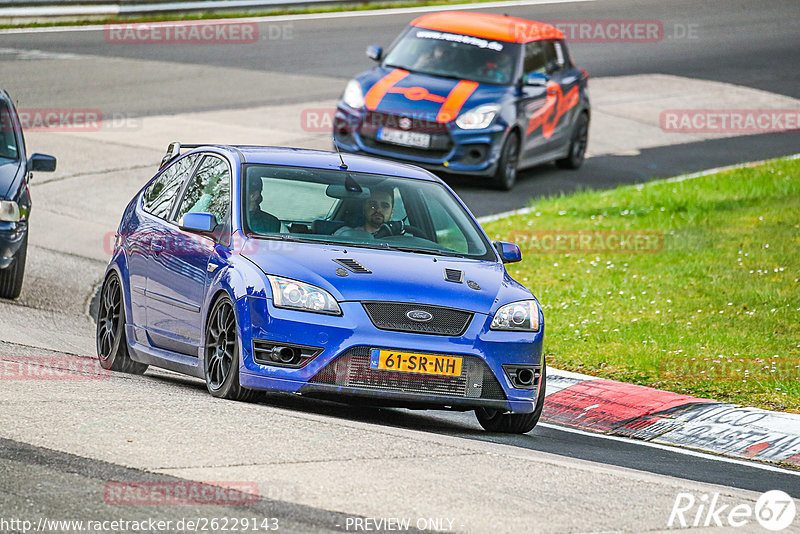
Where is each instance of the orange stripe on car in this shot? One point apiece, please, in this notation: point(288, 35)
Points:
point(555, 105)
point(455, 101)
point(378, 91)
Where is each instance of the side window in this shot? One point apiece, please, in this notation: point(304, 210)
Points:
point(562, 57)
point(554, 54)
point(159, 195)
point(535, 59)
point(209, 190)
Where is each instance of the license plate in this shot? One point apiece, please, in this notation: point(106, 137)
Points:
point(410, 362)
point(400, 137)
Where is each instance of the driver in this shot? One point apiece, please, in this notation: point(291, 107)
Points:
point(377, 211)
point(431, 58)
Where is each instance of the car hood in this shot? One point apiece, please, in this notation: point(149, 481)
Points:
point(395, 276)
point(9, 170)
point(422, 96)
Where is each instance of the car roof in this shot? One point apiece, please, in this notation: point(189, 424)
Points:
point(488, 26)
point(321, 159)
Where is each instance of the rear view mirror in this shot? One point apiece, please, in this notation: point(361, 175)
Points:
point(374, 52)
point(537, 79)
point(509, 252)
point(41, 163)
point(198, 223)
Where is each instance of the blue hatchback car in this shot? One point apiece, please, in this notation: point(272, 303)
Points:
point(469, 93)
point(300, 271)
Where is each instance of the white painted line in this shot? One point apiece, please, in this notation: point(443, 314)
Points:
point(316, 16)
point(673, 448)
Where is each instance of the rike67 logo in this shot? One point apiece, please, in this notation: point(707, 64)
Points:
point(774, 510)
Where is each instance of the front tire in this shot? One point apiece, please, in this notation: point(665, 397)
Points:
point(577, 146)
point(221, 353)
point(11, 277)
point(506, 175)
point(112, 346)
point(514, 423)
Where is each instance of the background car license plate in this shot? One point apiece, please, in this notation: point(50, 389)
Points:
point(410, 362)
point(400, 137)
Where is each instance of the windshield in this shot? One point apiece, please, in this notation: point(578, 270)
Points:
point(454, 55)
point(8, 141)
point(350, 208)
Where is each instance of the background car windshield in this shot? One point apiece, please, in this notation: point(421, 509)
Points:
point(454, 55)
point(335, 206)
point(8, 141)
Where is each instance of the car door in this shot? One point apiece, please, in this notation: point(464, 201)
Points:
point(178, 278)
point(567, 88)
point(151, 225)
point(549, 93)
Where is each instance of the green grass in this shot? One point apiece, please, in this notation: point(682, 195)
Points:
point(714, 313)
point(204, 15)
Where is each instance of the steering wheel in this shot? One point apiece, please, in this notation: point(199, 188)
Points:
point(396, 228)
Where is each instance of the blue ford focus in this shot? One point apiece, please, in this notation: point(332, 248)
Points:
point(297, 271)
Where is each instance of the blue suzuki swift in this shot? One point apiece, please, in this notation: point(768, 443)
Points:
point(300, 271)
point(469, 93)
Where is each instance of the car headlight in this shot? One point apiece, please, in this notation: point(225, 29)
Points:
point(295, 295)
point(9, 211)
point(478, 118)
point(353, 95)
point(522, 315)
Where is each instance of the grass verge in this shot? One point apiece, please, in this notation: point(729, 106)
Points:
point(691, 286)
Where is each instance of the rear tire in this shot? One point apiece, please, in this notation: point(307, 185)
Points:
point(506, 175)
point(112, 346)
point(577, 146)
point(221, 353)
point(11, 277)
point(514, 423)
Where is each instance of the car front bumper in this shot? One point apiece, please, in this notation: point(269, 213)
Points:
point(339, 369)
point(470, 152)
point(12, 236)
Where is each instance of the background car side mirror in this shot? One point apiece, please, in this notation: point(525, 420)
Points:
point(374, 52)
point(198, 223)
point(41, 163)
point(509, 252)
point(537, 79)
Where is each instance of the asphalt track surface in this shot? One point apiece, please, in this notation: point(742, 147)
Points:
point(750, 44)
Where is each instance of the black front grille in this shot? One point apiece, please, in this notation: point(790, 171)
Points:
point(352, 369)
point(394, 316)
point(441, 143)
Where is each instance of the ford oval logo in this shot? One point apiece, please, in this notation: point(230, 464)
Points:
point(421, 316)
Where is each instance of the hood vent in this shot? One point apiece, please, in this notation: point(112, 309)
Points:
point(352, 265)
point(453, 275)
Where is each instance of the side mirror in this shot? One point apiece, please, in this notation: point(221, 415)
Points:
point(509, 252)
point(374, 52)
point(41, 163)
point(536, 79)
point(198, 223)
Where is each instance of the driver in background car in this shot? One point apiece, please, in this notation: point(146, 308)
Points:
point(377, 210)
point(432, 58)
point(259, 221)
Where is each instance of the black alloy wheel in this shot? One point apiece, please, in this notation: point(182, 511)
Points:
point(506, 175)
point(514, 423)
point(112, 347)
point(11, 277)
point(221, 354)
point(577, 147)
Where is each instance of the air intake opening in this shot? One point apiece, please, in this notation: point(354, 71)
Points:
point(352, 265)
point(453, 275)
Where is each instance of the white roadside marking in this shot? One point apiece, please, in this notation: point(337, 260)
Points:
point(312, 16)
point(672, 448)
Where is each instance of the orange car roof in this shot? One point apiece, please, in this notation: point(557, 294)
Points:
point(488, 26)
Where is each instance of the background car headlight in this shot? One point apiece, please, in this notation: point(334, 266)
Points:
point(295, 295)
point(353, 95)
point(478, 118)
point(522, 315)
point(9, 211)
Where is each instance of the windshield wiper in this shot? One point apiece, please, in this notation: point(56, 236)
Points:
point(429, 251)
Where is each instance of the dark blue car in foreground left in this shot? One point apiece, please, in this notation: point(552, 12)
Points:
point(15, 200)
point(292, 270)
